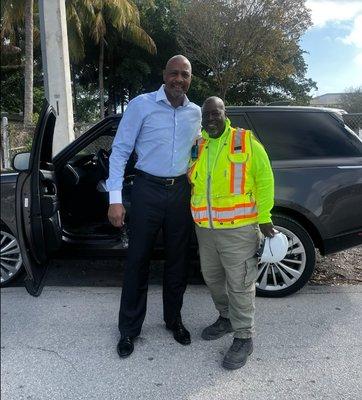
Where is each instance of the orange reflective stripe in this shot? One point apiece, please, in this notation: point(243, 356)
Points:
point(199, 214)
point(252, 204)
point(234, 212)
point(201, 219)
point(202, 143)
point(191, 170)
point(244, 216)
point(198, 208)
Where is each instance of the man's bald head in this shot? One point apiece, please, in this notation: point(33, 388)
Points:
point(213, 116)
point(179, 58)
point(219, 103)
point(177, 78)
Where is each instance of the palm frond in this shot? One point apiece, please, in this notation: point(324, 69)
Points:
point(75, 33)
point(121, 12)
point(12, 14)
point(98, 27)
point(139, 37)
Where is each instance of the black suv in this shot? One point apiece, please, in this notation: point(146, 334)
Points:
point(61, 203)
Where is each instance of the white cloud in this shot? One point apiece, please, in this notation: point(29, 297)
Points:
point(324, 11)
point(355, 36)
point(339, 11)
point(358, 59)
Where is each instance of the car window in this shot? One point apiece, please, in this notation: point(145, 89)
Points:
point(239, 121)
point(299, 135)
point(102, 142)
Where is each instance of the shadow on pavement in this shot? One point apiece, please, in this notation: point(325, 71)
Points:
point(102, 273)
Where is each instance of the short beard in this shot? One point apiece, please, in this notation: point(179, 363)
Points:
point(214, 135)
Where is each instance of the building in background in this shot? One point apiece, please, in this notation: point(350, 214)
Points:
point(331, 100)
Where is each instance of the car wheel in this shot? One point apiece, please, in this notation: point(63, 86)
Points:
point(10, 260)
point(292, 273)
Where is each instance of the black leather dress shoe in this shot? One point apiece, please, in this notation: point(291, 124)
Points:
point(180, 333)
point(125, 346)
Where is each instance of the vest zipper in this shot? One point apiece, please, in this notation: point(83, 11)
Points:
point(209, 199)
point(208, 189)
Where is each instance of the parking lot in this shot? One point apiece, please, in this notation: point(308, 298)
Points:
point(62, 345)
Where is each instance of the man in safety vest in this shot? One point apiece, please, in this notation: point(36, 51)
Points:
point(232, 196)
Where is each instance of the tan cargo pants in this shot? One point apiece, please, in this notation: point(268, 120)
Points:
point(229, 267)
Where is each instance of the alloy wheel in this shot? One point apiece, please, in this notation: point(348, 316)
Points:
point(10, 258)
point(283, 274)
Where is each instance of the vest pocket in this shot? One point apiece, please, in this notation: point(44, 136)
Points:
point(238, 158)
point(196, 200)
point(251, 266)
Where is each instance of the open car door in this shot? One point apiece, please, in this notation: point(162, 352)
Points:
point(37, 205)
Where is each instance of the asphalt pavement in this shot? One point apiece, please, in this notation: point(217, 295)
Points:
point(62, 345)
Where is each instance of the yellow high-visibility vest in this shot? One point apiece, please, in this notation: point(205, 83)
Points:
point(239, 189)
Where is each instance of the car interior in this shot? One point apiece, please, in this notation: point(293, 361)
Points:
point(82, 192)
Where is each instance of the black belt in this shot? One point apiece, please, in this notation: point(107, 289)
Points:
point(158, 179)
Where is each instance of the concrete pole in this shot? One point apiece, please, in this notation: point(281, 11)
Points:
point(5, 153)
point(56, 68)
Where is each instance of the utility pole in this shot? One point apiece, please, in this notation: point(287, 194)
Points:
point(56, 68)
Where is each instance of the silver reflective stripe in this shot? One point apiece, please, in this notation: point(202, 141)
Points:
point(238, 168)
point(238, 176)
point(238, 141)
point(238, 211)
point(197, 215)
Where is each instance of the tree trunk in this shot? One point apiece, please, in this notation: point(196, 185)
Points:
point(100, 77)
point(112, 87)
point(110, 91)
point(28, 75)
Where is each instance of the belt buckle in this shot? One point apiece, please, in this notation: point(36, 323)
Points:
point(172, 181)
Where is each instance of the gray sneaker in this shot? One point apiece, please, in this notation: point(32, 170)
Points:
point(238, 353)
point(218, 329)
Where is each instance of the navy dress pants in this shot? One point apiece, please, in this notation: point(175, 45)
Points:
point(155, 206)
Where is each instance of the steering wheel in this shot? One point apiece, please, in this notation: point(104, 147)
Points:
point(103, 162)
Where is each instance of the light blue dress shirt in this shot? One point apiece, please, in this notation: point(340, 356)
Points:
point(161, 135)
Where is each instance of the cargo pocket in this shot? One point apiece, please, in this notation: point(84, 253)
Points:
point(251, 266)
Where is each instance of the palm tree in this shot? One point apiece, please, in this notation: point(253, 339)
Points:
point(13, 15)
point(123, 15)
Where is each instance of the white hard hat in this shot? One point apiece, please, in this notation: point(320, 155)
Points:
point(274, 249)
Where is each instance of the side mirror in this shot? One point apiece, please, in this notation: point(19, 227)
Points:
point(21, 162)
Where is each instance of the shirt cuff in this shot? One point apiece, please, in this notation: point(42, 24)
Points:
point(115, 197)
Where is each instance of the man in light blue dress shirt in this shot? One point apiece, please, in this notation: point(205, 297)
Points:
point(161, 127)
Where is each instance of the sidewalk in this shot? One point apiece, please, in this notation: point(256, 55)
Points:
point(62, 345)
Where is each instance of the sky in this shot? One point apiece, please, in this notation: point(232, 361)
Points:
point(334, 45)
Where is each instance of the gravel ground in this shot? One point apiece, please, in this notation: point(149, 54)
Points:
point(341, 268)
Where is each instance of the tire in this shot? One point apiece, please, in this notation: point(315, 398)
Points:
point(293, 272)
point(11, 264)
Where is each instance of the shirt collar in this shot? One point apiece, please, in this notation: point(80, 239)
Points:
point(205, 135)
point(161, 96)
